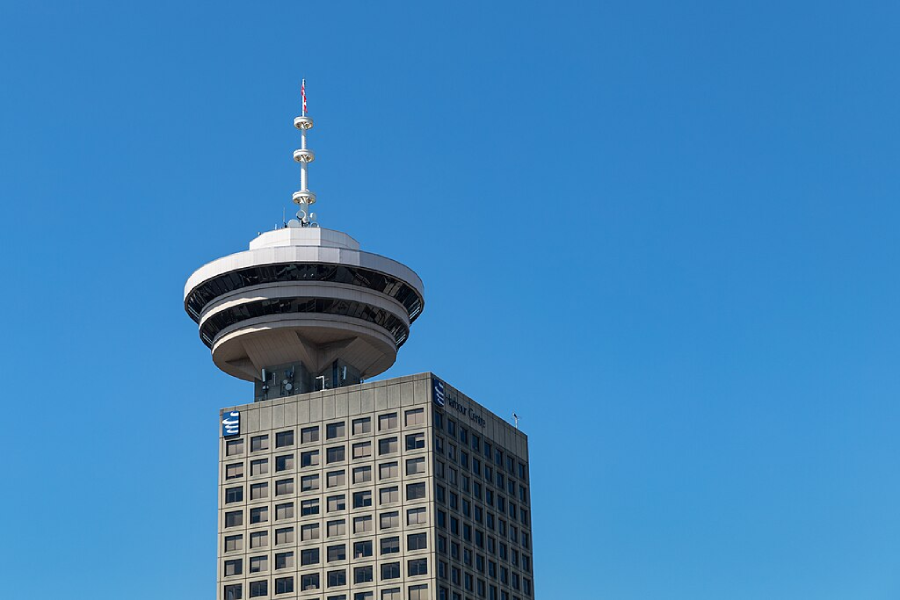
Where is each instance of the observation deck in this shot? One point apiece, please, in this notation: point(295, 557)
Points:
point(308, 302)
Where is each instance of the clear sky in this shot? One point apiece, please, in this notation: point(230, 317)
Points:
point(664, 233)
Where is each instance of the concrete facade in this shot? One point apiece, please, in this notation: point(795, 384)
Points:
point(403, 489)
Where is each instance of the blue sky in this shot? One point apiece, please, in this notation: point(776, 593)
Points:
point(664, 233)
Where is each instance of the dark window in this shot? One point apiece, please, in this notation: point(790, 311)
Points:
point(362, 549)
point(415, 491)
point(234, 567)
point(362, 499)
point(309, 434)
point(390, 570)
point(235, 494)
point(362, 574)
point(418, 566)
point(309, 557)
point(259, 588)
point(415, 441)
point(284, 438)
point(337, 578)
point(233, 592)
point(338, 552)
point(417, 541)
point(390, 545)
point(284, 585)
point(259, 515)
point(335, 454)
point(335, 430)
point(234, 519)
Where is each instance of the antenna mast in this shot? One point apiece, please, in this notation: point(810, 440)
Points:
point(304, 198)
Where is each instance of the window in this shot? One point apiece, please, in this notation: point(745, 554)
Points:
point(309, 507)
point(234, 447)
point(260, 442)
point(309, 557)
point(361, 426)
point(284, 585)
point(362, 524)
point(259, 515)
point(415, 491)
point(418, 566)
point(234, 471)
point(418, 592)
point(284, 463)
point(234, 518)
point(284, 439)
point(390, 519)
point(259, 491)
point(387, 445)
point(386, 422)
point(335, 430)
point(388, 495)
point(259, 564)
point(362, 474)
point(259, 539)
point(417, 541)
point(284, 536)
point(390, 545)
point(362, 574)
point(309, 435)
point(337, 578)
point(309, 459)
point(336, 528)
point(337, 503)
point(416, 516)
point(363, 596)
point(284, 487)
point(259, 467)
point(415, 441)
point(259, 588)
point(309, 532)
point(235, 494)
point(309, 581)
point(415, 416)
point(284, 511)
point(234, 567)
point(233, 592)
point(336, 478)
point(390, 571)
point(309, 483)
point(362, 450)
point(415, 466)
point(391, 594)
point(334, 454)
point(451, 427)
point(388, 470)
point(233, 543)
point(337, 552)
point(362, 499)
point(362, 549)
point(284, 560)
point(463, 436)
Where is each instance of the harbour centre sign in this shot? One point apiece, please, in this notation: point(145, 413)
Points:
point(231, 423)
point(445, 400)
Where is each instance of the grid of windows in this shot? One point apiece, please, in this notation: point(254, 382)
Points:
point(364, 485)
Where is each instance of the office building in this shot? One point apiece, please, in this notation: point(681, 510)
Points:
point(331, 487)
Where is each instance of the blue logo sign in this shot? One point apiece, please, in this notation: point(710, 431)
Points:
point(231, 424)
point(437, 392)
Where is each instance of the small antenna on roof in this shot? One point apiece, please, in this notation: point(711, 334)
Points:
point(516, 417)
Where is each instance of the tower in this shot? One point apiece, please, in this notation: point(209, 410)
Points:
point(304, 308)
point(335, 489)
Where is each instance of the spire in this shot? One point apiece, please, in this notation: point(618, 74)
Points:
point(304, 198)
